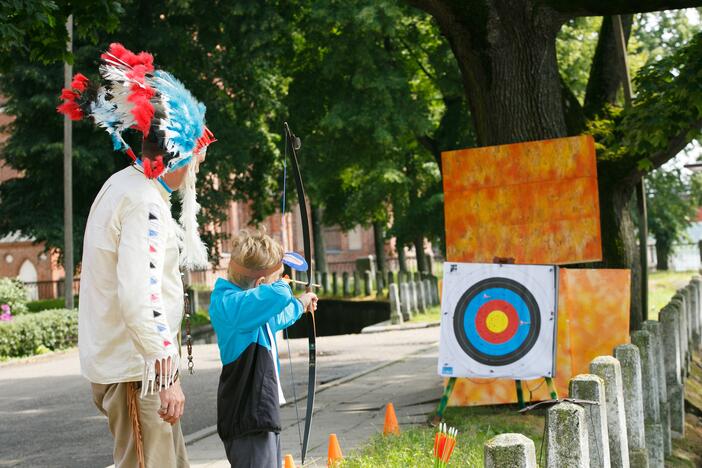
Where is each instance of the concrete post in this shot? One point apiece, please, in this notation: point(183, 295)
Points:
point(696, 318)
point(432, 296)
point(345, 286)
point(566, 437)
point(630, 360)
point(645, 341)
point(391, 277)
point(654, 328)
point(510, 451)
point(368, 283)
point(325, 282)
point(379, 286)
point(609, 370)
point(395, 307)
point(672, 357)
point(591, 387)
point(356, 283)
point(435, 286)
point(318, 277)
point(335, 283)
point(678, 302)
point(405, 301)
point(414, 299)
point(421, 297)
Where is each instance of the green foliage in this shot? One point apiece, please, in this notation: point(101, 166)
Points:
point(31, 334)
point(14, 294)
point(413, 447)
point(672, 203)
point(667, 113)
point(575, 46)
point(37, 28)
point(46, 304)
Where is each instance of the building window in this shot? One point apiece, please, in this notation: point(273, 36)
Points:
point(355, 238)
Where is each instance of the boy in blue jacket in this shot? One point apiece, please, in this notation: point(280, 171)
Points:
point(246, 312)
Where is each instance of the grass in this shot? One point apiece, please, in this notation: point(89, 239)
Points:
point(476, 425)
point(661, 288)
point(432, 315)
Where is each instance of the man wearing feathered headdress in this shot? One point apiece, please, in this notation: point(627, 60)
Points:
point(131, 295)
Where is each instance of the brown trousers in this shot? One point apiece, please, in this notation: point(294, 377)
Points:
point(162, 442)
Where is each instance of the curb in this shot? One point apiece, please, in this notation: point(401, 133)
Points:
point(208, 431)
point(382, 327)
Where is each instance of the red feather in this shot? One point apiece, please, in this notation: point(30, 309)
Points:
point(143, 110)
point(128, 57)
point(80, 82)
point(69, 95)
point(71, 109)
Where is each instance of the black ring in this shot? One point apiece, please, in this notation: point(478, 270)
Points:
point(534, 315)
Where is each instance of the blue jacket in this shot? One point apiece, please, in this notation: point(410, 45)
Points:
point(247, 397)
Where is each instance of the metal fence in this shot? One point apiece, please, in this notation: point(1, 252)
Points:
point(39, 290)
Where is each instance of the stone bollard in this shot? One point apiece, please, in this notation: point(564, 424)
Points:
point(345, 286)
point(421, 297)
point(405, 301)
point(356, 284)
point(654, 328)
point(630, 360)
point(609, 370)
point(672, 357)
point(591, 387)
point(368, 283)
point(510, 451)
point(395, 307)
point(696, 319)
point(335, 283)
point(413, 297)
point(391, 278)
point(566, 437)
point(379, 286)
point(325, 282)
point(435, 289)
point(427, 290)
point(678, 302)
point(318, 277)
point(644, 340)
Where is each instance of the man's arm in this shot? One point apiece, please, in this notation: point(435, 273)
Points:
point(140, 260)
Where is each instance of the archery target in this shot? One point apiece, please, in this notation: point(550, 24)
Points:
point(498, 321)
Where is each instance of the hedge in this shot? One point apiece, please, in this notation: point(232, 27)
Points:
point(46, 304)
point(26, 335)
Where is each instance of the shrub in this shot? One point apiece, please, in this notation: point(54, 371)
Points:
point(46, 304)
point(14, 294)
point(31, 334)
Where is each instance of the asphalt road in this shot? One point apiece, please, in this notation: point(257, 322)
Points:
point(47, 418)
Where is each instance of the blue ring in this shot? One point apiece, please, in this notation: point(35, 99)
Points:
point(508, 346)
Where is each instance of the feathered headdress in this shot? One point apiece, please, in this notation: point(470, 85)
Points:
point(133, 95)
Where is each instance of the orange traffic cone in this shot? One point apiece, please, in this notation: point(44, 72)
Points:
point(391, 426)
point(334, 452)
point(289, 462)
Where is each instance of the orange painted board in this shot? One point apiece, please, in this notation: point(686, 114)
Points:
point(536, 202)
point(593, 318)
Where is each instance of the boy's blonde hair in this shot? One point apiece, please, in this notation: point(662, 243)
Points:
point(253, 250)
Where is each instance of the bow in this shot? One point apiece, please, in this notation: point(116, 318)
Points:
point(294, 143)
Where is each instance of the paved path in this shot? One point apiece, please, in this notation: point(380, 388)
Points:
point(354, 409)
point(48, 418)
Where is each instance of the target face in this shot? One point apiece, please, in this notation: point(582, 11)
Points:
point(497, 321)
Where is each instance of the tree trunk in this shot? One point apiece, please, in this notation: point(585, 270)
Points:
point(663, 249)
point(506, 52)
point(419, 251)
point(320, 256)
point(619, 239)
point(401, 257)
point(379, 241)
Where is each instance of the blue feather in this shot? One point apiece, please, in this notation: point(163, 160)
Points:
point(185, 116)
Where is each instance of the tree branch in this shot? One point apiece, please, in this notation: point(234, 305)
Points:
point(605, 72)
point(614, 7)
point(675, 146)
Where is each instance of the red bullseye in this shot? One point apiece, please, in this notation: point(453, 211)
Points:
point(499, 307)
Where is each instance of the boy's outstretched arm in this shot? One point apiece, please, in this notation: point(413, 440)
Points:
point(291, 314)
point(261, 304)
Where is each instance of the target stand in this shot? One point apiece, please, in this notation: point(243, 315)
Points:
point(498, 321)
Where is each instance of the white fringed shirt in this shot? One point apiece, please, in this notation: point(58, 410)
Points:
point(131, 294)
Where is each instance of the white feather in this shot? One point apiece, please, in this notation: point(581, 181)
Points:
point(194, 251)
